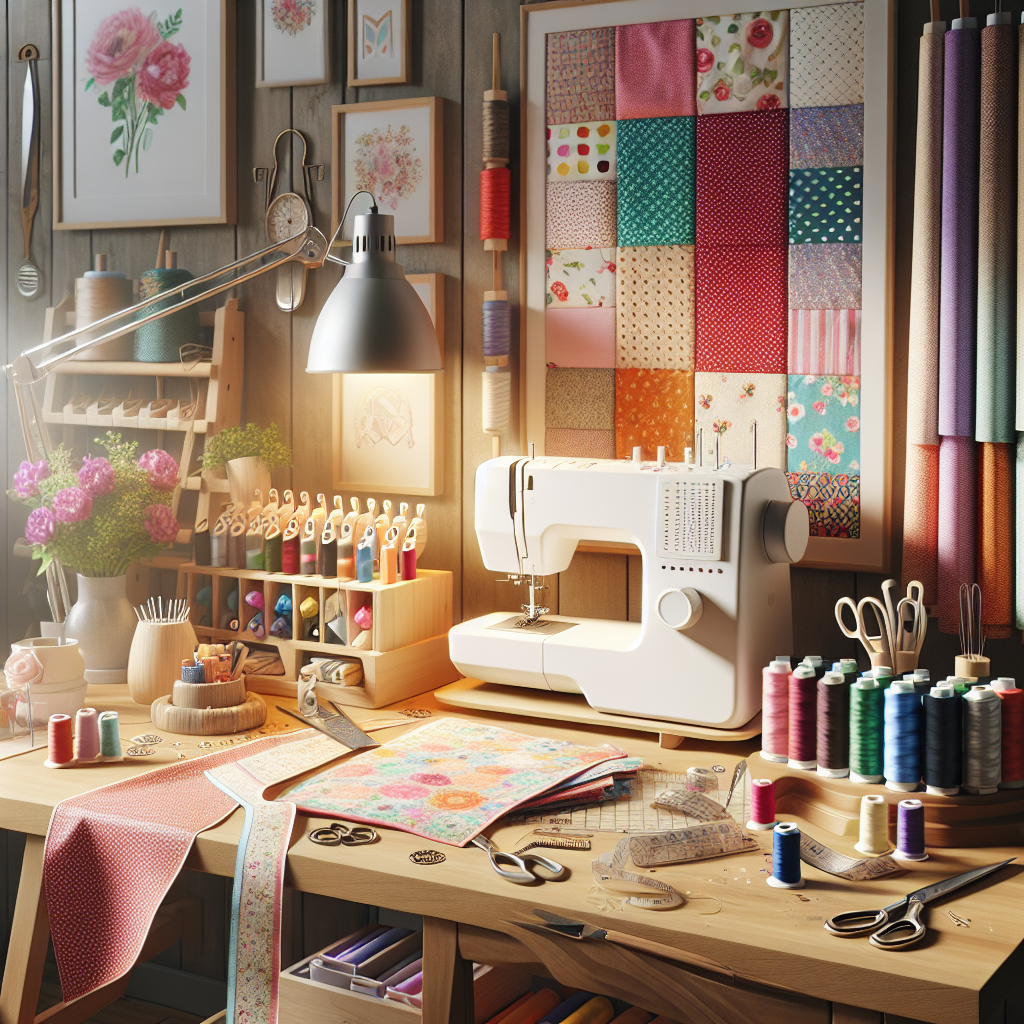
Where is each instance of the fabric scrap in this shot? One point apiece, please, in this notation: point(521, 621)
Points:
point(655, 69)
point(957, 534)
point(921, 519)
point(585, 444)
point(580, 337)
point(825, 205)
point(996, 463)
point(825, 276)
point(580, 278)
point(727, 406)
point(653, 408)
point(826, 56)
point(824, 424)
point(832, 500)
point(581, 76)
point(826, 136)
point(581, 152)
point(824, 341)
point(580, 399)
point(581, 214)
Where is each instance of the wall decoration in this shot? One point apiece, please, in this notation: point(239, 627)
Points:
point(379, 42)
point(392, 149)
point(746, 188)
point(293, 42)
point(144, 129)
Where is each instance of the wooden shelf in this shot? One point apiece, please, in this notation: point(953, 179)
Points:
point(98, 367)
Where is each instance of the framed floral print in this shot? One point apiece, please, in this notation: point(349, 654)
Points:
point(293, 42)
point(379, 37)
point(144, 119)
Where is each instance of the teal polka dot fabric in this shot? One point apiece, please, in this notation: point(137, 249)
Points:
point(824, 205)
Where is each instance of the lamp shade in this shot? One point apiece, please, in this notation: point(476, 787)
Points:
point(373, 321)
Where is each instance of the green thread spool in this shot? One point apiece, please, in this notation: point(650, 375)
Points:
point(866, 731)
point(161, 341)
point(883, 676)
point(272, 553)
point(110, 738)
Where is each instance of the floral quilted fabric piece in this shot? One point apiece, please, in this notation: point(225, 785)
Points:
point(654, 70)
point(581, 152)
point(825, 276)
point(727, 404)
point(580, 214)
point(581, 76)
point(826, 136)
point(832, 500)
point(742, 62)
point(823, 433)
point(446, 781)
point(826, 56)
point(580, 399)
point(653, 408)
point(578, 278)
point(584, 444)
point(824, 341)
point(825, 205)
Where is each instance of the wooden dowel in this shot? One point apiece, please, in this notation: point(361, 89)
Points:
point(496, 269)
point(161, 248)
point(935, 10)
point(965, 8)
point(496, 61)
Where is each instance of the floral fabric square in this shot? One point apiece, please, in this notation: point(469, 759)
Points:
point(825, 276)
point(655, 315)
point(578, 278)
point(824, 341)
point(826, 136)
point(742, 62)
point(823, 431)
point(580, 399)
point(580, 214)
point(825, 205)
point(581, 152)
point(656, 168)
point(727, 405)
point(742, 165)
point(826, 56)
point(583, 444)
point(832, 500)
point(581, 76)
point(654, 70)
point(652, 408)
point(580, 337)
point(741, 309)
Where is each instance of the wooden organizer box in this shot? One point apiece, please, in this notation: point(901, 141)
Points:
point(408, 653)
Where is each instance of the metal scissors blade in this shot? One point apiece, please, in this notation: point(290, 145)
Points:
point(517, 868)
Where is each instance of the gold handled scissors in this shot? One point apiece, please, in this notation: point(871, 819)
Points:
point(885, 642)
point(887, 928)
point(340, 834)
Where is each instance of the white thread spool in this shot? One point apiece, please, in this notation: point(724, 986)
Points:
point(497, 400)
point(983, 753)
point(874, 825)
point(701, 780)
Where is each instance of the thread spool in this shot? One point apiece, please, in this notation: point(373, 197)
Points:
point(409, 560)
point(775, 710)
point(254, 557)
point(87, 734)
point(495, 203)
point(701, 780)
point(762, 805)
point(346, 560)
point(110, 738)
point(495, 131)
point(496, 329)
point(272, 550)
point(803, 715)
point(290, 555)
point(161, 340)
point(236, 545)
point(327, 557)
point(866, 731)
point(942, 768)
point(786, 857)
point(922, 680)
point(307, 556)
point(848, 666)
point(874, 825)
point(910, 831)
point(883, 674)
point(816, 662)
point(982, 740)
point(364, 563)
point(100, 293)
point(1012, 742)
point(833, 726)
point(497, 400)
point(193, 673)
point(902, 736)
point(58, 740)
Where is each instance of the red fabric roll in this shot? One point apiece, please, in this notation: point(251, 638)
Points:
point(957, 526)
point(921, 519)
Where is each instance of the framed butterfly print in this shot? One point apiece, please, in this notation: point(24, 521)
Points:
point(293, 43)
point(379, 51)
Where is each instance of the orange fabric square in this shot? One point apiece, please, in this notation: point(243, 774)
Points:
point(652, 408)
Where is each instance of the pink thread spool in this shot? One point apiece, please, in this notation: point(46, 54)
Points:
point(58, 737)
point(803, 719)
point(762, 805)
point(87, 734)
point(775, 710)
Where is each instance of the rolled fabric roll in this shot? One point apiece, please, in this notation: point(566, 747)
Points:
point(598, 1010)
point(1020, 239)
point(1019, 510)
point(921, 519)
point(957, 525)
point(995, 537)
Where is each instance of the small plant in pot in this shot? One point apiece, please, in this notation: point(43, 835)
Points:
point(248, 454)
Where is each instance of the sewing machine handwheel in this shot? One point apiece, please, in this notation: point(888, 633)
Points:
point(785, 530)
point(680, 607)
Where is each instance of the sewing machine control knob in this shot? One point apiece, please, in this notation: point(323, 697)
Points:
point(680, 607)
point(785, 530)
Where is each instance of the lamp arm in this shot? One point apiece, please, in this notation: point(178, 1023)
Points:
point(341, 224)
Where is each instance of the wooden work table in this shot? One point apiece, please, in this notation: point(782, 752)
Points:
point(961, 974)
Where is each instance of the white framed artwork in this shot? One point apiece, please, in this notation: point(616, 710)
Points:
point(144, 119)
point(293, 43)
point(379, 36)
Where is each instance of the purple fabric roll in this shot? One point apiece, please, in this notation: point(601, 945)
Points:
point(958, 481)
point(958, 303)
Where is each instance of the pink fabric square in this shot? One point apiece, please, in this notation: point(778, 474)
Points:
point(655, 70)
point(580, 337)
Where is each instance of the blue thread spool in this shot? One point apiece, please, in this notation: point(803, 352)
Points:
point(284, 605)
point(161, 340)
point(786, 857)
point(902, 736)
point(364, 563)
point(193, 674)
point(910, 831)
point(110, 738)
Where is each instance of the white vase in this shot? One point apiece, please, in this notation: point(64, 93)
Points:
point(103, 622)
point(62, 688)
point(245, 477)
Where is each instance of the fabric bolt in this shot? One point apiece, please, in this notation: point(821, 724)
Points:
point(826, 56)
point(824, 341)
point(996, 464)
point(581, 152)
point(825, 204)
point(653, 408)
point(742, 62)
point(655, 185)
point(825, 276)
point(580, 278)
point(587, 444)
point(1020, 263)
point(959, 267)
point(655, 69)
point(581, 76)
point(823, 430)
point(741, 309)
point(580, 399)
point(729, 403)
point(655, 309)
point(581, 214)
point(826, 136)
point(923, 349)
point(921, 519)
point(958, 481)
point(832, 500)
point(1018, 601)
point(580, 337)
point(995, 413)
point(742, 178)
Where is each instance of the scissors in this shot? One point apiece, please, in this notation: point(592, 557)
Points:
point(520, 864)
point(340, 834)
point(885, 642)
point(891, 931)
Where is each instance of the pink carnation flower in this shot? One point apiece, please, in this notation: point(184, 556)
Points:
point(120, 45)
point(162, 470)
point(71, 505)
point(26, 480)
point(40, 526)
point(164, 74)
point(96, 477)
point(161, 525)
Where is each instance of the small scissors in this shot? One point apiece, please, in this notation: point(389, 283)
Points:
point(520, 864)
point(885, 642)
point(340, 834)
point(889, 930)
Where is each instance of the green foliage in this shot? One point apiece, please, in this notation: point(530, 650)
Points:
point(250, 441)
point(171, 25)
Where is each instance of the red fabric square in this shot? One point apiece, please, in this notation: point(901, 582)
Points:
point(742, 186)
point(655, 70)
point(742, 321)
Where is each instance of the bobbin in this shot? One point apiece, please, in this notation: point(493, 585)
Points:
point(874, 826)
point(786, 828)
point(905, 809)
point(762, 784)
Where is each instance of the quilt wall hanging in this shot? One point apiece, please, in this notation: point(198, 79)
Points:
point(707, 244)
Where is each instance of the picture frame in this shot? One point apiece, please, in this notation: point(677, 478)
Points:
point(289, 52)
point(392, 17)
point(413, 128)
point(870, 551)
point(171, 159)
point(355, 468)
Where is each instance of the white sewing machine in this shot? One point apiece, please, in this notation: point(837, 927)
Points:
point(716, 547)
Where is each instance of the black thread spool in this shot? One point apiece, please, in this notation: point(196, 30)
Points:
point(943, 741)
point(817, 662)
point(848, 666)
point(833, 726)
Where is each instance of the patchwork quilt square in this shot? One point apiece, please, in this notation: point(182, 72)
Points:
point(825, 276)
point(824, 341)
point(727, 406)
point(583, 444)
point(578, 278)
point(580, 399)
point(653, 408)
point(580, 337)
point(581, 152)
point(654, 70)
point(832, 500)
point(742, 62)
point(825, 205)
point(826, 136)
point(823, 432)
point(826, 56)
point(581, 76)
point(581, 214)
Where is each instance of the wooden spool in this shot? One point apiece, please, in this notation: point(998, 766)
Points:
point(209, 721)
point(228, 694)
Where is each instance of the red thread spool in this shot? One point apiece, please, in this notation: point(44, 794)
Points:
point(1013, 733)
point(495, 203)
point(762, 805)
point(775, 711)
point(58, 735)
point(409, 562)
point(803, 718)
point(290, 555)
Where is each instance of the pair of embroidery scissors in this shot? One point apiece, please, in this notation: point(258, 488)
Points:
point(885, 642)
point(523, 869)
point(888, 929)
point(340, 834)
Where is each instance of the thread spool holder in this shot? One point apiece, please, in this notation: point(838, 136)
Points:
point(971, 667)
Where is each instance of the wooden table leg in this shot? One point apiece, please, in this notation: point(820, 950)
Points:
point(447, 977)
point(30, 933)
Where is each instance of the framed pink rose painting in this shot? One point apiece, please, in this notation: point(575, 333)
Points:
point(143, 128)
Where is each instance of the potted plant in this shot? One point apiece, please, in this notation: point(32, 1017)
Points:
point(248, 454)
point(99, 519)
